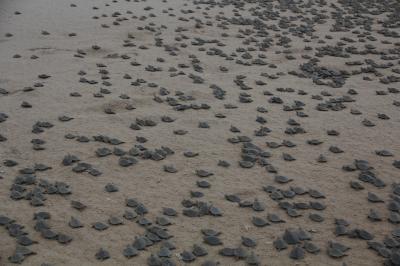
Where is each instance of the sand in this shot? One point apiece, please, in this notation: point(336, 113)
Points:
point(147, 181)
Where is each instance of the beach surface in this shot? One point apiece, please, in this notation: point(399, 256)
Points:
point(161, 119)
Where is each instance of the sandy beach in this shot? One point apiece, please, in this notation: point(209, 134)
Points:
point(181, 132)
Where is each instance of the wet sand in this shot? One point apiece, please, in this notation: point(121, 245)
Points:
point(95, 61)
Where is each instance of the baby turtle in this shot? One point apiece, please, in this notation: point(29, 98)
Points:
point(196, 194)
point(271, 169)
point(25, 240)
point(317, 205)
point(361, 233)
point(111, 188)
point(167, 119)
point(163, 221)
point(78, 205)
point(273, 145)
point(41, 215)
point(102, 152)
point(383, 153)
point(293, 213)
point(70, 136)
point(64, 239)
point(368, 123)
point(199, 251)
point(170, 169)
point(288, 144)
point(102, 254)
point(154, 260)
point(322, 159)
point(130, 251)
point(227, 252)
point(26, 105)
point(41, 225)
point(140, 243)
point(234, 129)
point(204, 125)
point(109, 111)
point(210, 232)
point(372, 197)
point(232, 198)
point(203, 184)
point(303, 235)
point(190, 154)
point(65, 118)
point(170, 212)
point(69, 160)
point(143, 221)
point(214, 211)
point(212, 240)
point(342, 222)
point(203, 173)
point(41, 167)
point(248, 242)
point(48, 234)
point(223, 163)
point(81, 167)
point(356, 185)
point(119, 152)
point(187, 256)
point(125, 161)
point(4, 220)
point(113, 220)
point(314, 142)
point(135, 126)
point(100, 226)
point(332, 132)
point(355, 112)
point(291, 236)
point(75, 223)
point(316, 217)
point(131, 202)
point(130, 215)
point(180, 132)
point(297, 253)
point(16, 258)
point(10, 163)
point(315, 194)
point(245, 204)
point(253, 259)
point(259, 222)
point(394, 218)
point(280, 244)
point(168, 244)
point(258, 206)
point(282, 179)
point(82, 139)
point(246, 164)
point(274, 218)
point(94, 172)
point(310, 247)
point(164, 253)
point(374, 215)
point(335, 149)
point(336, 249)
point(383, 116)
